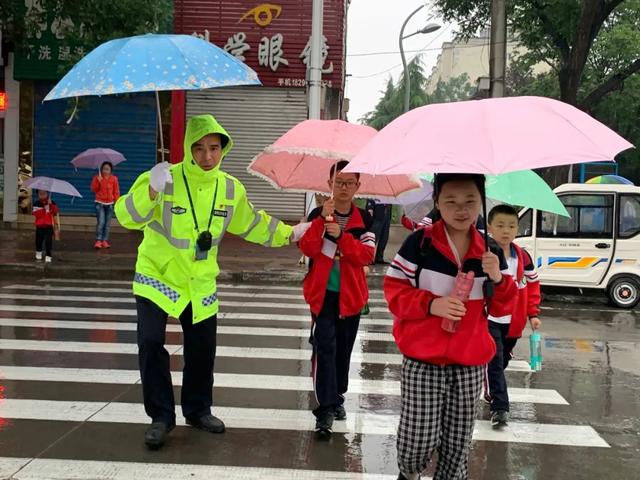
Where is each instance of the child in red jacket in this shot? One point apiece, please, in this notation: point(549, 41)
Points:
point(506, 329)
point(46, 212)
point(107, 189)
point(442, 370)
point(339, 244)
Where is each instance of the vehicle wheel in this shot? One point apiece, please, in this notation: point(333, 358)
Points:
point(624, 292)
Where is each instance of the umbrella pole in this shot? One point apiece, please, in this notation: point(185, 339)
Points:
point(160, 125)
point(488, 287)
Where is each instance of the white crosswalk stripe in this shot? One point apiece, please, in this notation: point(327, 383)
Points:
point(257, 323)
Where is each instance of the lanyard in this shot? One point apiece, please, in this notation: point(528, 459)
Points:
point(193, 212)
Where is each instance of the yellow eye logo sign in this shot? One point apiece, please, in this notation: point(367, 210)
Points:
point(263, 14)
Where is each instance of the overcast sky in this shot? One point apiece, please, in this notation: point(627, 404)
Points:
point(374, 27)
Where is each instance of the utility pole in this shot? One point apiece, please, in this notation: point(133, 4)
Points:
point(315, 62)
point(498, 53)
point(315, 76)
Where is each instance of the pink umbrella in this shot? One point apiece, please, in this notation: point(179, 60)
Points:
point(301, 159)
point(491, 136)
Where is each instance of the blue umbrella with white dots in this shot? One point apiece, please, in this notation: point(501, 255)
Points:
point(153, 63)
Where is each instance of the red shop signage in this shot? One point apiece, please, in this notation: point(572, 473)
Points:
point(272, 38)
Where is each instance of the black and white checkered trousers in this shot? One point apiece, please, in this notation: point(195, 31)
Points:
point(439, 406)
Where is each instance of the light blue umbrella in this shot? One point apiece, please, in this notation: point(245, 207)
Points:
point(153, 63)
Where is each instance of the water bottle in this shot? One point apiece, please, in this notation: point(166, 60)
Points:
point(535, 345)
point(461, 291)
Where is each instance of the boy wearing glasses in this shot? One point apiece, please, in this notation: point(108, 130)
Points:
point(339, 244)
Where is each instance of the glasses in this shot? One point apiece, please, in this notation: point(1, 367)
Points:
point(347, 184)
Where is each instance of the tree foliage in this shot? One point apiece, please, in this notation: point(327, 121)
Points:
point(391, 104)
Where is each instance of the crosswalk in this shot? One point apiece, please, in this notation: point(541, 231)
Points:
point(68, 370)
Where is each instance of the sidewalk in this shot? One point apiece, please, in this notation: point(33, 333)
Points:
point(74, 256)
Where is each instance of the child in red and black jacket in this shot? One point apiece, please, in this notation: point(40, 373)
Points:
point(506, 329)
point(46, 216)
point(339, 244)
point(442, 371)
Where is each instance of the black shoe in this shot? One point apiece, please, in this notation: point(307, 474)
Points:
point(499, 419)
point(156, 435)
point(340, 413)
point(208, 423)
point(324, 424)
point(402, 477)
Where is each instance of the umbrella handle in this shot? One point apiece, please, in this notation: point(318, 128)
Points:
point(73, 114)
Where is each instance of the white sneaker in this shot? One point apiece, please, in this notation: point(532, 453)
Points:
point(47, 259)
point(38, 255)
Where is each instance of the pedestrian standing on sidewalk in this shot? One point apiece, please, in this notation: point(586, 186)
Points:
point(340, 245)
point(505, 330)
point(47, 220)
point(443, 365)
point(184, 211)
point(107, 189)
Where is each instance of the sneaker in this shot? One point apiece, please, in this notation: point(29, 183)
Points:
point(324, 425)
point(47, 259)
point(340, 413)
point(499, 419)
point(97, 245)
point(38, 255)
point(106, 244)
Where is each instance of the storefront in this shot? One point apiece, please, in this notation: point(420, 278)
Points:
point(274, 39)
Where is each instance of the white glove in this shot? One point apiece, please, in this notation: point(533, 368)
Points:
point(299, 230)
point(160, 176)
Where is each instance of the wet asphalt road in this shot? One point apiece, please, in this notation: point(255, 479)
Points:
point(71, 398)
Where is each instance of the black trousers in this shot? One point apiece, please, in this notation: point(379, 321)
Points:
point(199, 356)
point(495, 370)
point(380, 227)
point(44, 235)
point(332, 339)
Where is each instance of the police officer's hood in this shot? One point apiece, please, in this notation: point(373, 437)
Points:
point(198, 127)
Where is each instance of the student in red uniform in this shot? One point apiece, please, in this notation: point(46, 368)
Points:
point(442, 372)
point(339, 244)
point(46, 212)
point(107, 189)
point(506, 329)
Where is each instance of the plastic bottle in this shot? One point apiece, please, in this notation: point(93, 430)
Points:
point(461, 291)
point(535, 346)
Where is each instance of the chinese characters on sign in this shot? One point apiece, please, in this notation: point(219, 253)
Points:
point(45, 49)
point(270, 52)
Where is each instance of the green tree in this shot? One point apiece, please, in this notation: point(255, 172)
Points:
point(391, 104)
point(571, 36)
point(456, 89)
point(88, 23)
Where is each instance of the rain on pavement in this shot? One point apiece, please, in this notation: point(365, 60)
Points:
point(71, 399)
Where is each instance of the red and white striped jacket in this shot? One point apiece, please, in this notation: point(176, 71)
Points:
point(357, 246)
point(527, 303)
point(425, 269)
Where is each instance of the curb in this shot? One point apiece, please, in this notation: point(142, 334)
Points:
point(13, 271)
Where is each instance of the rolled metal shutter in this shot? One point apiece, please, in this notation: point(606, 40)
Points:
point(255, 117)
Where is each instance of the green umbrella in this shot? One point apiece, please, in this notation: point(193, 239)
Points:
point(523, 188)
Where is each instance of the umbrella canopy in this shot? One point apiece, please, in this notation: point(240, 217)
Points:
point(610, 180)
point(524, 188)
point(95, 157)
point(151, 63)
point(52, 185)
point(300, 160)
point(491, 136)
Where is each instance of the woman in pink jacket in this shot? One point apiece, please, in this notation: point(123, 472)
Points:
point(105, 186)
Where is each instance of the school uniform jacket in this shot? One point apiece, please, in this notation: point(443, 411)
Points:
point(425, 269)
point(357, 245)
